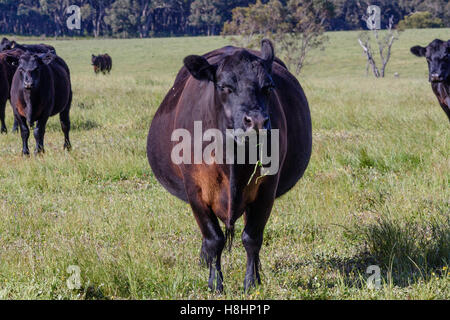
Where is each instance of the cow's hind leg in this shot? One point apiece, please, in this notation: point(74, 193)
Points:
point(213, 240)
point(2, 117)
point(65, 126)
point(15, 127)
point(256, 217)
point(39, 133)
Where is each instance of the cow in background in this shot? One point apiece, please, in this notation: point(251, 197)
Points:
point(102, 63)
point(6, 44)
point(8, 66)
point(41, 88)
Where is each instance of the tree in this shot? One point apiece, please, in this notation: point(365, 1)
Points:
point(57, 10)
point(297, 27)
point(204, 14)
point(254, 22)
point(98, 13)
point(384, 47)
point(419, 20)
point(122, 18)
point(303, 29)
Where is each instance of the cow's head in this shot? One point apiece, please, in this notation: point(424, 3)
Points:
point(96, 63)
point(11, 57)
point(5, 44)
point(30, 66)
point(243, 84)
point(437, 54)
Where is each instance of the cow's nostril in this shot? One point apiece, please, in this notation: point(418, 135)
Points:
point(248, 121)
point(435, 76)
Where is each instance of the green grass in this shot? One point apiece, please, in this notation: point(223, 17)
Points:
point(377, 190)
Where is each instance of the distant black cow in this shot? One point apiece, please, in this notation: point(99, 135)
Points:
point(437, 54)
point(6, 44)
point(226, 89)
point(8, 65)
point(41, 88)
point(102, 63)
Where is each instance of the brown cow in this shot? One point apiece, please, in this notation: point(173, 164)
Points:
point(40, 89)
point(8, 65)
point(226, 89)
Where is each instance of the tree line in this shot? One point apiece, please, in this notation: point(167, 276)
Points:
point(151, 18)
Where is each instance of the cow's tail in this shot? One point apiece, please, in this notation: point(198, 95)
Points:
point(229, 236)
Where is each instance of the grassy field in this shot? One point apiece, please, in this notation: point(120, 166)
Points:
point(377, 190)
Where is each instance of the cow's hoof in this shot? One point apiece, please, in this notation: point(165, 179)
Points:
point(39, 152)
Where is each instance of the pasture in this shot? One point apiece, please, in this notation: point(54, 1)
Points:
point(376, 192)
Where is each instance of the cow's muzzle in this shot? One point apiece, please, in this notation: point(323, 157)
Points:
point(436, 78)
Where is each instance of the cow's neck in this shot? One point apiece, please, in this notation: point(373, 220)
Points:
point(245, 180)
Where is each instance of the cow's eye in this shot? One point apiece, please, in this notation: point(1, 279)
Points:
point(225, 88)
point(268, 89)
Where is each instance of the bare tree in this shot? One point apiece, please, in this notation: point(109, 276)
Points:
point(297, 26)
point(384, 47)
point(303, 30)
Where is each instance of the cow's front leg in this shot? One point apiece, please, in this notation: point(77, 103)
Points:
point(213, 238)
point(25, 134)
point(256, 216)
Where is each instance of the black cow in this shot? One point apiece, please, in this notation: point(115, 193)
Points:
point(437, 54)
point(6, 44)
point(102, 63)
point(232, 88)
point(41, 88)
point(8, 66)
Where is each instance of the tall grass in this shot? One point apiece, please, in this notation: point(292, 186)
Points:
point(376, 192)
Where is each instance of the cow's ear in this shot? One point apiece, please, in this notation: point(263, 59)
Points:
point(267, 51)
point(47, 58)
point(4, 40)
point(419, 51)
point(200, 68)
point(12, 60)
